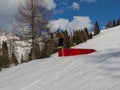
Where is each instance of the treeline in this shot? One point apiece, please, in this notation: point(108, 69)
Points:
point(48, 47)
point(112, 23)
point(8, 54)
point(79, 36)
point(50, 44)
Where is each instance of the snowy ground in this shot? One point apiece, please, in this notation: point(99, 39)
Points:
point(96, 71)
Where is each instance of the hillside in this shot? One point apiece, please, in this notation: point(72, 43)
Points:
point(107, 39)
point(96, 71)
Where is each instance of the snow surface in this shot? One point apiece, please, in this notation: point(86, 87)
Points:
point(96, 71)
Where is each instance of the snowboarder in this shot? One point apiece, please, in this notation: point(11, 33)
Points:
point(60, 35)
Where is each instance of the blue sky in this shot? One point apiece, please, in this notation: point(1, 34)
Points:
point(68, 14)
point(97, 10)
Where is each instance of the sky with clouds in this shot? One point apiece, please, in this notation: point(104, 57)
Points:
point(68, 14)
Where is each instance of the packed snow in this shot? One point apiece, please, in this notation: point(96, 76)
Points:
point(96, 71)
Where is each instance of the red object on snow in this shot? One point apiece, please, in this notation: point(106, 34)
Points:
point(73, 51)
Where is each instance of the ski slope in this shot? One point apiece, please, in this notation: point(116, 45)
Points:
point(96, 71)
point(107, 39)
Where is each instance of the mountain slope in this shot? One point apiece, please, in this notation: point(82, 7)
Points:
point(107, 39)
point(96, 71)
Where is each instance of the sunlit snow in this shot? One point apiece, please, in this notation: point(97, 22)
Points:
point(96, 71)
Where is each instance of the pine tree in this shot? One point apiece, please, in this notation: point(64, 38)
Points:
point(71, 40)
point(22, 60)
point(48, 47)
point(52, 43)
point(96, 28)
point(118, 22)
point(114, 23)
point(37, 52)
point(30, 55)
point(87, 32)
point(77, 37)
point(90, 36)
point(66, 39)
point(5, 55)
point(83, 36)
point(43, 52)
point(74, 37)
point(109, 24)
point(14, 59)
point(0, 63)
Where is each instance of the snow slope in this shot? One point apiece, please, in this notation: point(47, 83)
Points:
point(96, 71)
point(107, 39)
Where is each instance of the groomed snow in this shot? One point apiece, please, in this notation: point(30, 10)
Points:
point(96, 71)
point(107, 39)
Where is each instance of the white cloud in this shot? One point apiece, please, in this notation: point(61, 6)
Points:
point(87, 0)
point(50, 4)
point(8, 7)
point(60, 23)
point(76, 6)
point(59, 11)
point(77, 23)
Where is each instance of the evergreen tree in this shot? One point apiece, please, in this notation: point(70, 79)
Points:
point(30, 55)
point(22, 60)
point(37, 52)
point(66, 39)
point(43, 52)
point(84, 36)
point(48, 47)
point(0, 62)
point(81, 36)
point(71, 40)
point(74, 37)
point(90, 36)
point(118, 22)
point(53, 43)
point(87, 32)
point(114, 23)
point(14, 59)
point(109, 24)
point(5, 55)
point(96, 28)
